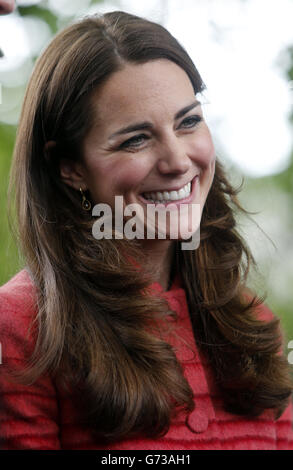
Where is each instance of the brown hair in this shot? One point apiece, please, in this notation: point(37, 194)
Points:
point(96, 321)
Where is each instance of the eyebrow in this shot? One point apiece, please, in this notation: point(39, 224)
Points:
point(147, 125)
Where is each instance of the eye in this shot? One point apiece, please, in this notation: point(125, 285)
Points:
point(134, 142)
point(191, 121)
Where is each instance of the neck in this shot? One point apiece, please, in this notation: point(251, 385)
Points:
point(160, 257)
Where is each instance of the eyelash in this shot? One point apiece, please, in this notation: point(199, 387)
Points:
point(131, 142)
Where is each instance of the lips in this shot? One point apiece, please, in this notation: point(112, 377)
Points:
point(183, 194)
point(164, 196)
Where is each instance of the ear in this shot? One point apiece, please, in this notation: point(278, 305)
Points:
point(72, 173)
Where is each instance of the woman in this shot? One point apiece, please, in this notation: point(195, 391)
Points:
point(114, 343)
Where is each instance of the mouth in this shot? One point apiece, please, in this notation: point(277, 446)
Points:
point(182, 195)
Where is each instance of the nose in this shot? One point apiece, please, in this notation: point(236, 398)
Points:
point(173, 157)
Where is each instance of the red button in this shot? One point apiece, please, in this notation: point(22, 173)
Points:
point(198, 421)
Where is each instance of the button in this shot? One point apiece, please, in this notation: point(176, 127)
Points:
point(198, 421)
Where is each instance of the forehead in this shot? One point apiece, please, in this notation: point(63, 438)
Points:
point(143, 88)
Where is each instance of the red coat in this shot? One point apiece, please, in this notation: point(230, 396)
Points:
point(40, 416)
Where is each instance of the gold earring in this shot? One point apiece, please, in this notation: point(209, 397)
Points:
point(85, 203)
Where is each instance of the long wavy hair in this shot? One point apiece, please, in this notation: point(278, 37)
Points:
point(98, 326)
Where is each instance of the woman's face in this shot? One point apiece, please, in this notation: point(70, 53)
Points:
point(149, 140)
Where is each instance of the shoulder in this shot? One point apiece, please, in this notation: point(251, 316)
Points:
point(18, 285)
point(264, 313)
point(261, 310)
point(18, 307)
point(28, 412)
point(18, 293)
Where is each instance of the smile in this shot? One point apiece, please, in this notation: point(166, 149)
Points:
point(167, 196)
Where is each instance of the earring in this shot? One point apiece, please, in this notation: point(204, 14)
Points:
point(85, 203)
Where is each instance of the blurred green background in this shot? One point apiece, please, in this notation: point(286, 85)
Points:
point(268, 232)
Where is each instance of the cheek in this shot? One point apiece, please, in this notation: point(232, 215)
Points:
point(204, 152)
point(130, 171)
point(202, 149)
point(115, 176)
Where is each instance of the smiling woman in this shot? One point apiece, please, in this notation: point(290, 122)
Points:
point(130, 343)
point(174, 149)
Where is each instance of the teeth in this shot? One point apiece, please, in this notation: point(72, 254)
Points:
point(166, 196)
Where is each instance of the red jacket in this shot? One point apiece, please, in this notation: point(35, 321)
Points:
point(41, 416)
